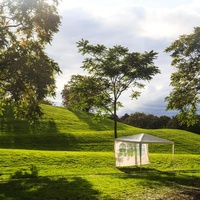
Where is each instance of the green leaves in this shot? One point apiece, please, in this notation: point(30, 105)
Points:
point(117, 68)
point(85, 48)
point(26, 71)
point(84, 93)
point(186, 80)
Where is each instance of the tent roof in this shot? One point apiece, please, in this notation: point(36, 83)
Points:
point(144, 138)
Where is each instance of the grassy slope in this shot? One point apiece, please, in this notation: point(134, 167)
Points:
point(61, 129)
point(87, 169)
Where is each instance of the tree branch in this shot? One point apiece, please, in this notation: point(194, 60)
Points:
point(10, 26)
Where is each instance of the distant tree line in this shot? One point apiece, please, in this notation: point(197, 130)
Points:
point(151, 121)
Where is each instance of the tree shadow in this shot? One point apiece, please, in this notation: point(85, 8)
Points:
point(73, 188)
point(187, 185)
point(42, 135)
point(94, 122)
point(11, 126)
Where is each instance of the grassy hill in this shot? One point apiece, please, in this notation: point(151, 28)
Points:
point(62, 129)
point(66, 155)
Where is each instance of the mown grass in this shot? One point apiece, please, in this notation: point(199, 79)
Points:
point(61, 129)
point(86, 163)
point(67, 155)
point(93, 175)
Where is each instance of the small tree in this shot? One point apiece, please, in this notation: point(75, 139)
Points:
point(84, 93)
point(117, 69)
point(186, 80)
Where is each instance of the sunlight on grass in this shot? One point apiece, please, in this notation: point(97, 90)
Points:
point(67, 154)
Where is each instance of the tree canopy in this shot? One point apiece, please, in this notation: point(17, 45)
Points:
point(118, 69)
point(184, 97)
point(26, 71)
point(84, 93)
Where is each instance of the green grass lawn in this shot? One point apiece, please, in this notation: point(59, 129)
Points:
point(68, 155)
point(93, 175)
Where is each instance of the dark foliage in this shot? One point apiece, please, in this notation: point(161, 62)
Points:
point(143, 120)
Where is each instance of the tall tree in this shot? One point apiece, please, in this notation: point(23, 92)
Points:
point(186, 79)
point(84, 93)
point(118, 69)
point(26, 71)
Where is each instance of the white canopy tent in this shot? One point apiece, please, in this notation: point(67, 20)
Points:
point(133, 150)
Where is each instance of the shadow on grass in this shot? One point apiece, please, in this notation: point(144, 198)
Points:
point(42, 135)
point(98, 123)
point(94, 123)
point(187, 185)
point(14, 126)
point(73, 188)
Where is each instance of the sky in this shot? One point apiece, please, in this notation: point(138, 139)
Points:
point(140, 25)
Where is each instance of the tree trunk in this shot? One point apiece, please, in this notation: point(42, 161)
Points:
point(115, 119)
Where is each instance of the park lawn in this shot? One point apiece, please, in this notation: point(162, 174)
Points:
point(69, 155)
point(50, 163)
point(63, 175)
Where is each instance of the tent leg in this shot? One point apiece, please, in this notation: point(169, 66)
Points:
point(136, 161)
point(173, 153)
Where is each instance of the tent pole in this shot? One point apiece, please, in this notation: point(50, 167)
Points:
point(173, 153)
point(136, 154)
